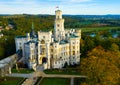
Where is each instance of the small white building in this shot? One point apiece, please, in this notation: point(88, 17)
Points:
point(53, 50)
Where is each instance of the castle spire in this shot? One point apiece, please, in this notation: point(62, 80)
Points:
point(32, 26)
point(32, 33)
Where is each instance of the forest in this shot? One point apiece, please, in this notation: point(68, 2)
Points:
point(100, 54)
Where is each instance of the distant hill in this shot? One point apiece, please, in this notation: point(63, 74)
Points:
point(109, 16)
point(96, 16)
point(47, 21)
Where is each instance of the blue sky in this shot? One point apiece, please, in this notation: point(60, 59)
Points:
point(67, 6)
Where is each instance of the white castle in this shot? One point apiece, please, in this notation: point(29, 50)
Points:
point(52, 50)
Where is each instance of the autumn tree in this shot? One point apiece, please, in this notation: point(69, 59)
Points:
point(101, 67)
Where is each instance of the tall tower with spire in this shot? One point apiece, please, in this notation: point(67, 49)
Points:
point(32, 33)
point(59, 26)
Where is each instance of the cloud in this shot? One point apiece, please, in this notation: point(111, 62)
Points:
point(19, 6)
point(17, 2)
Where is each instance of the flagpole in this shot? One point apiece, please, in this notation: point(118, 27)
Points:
point(57, 7)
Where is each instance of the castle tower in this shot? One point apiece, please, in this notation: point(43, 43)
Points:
point(59, 26)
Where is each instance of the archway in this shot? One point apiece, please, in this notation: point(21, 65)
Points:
point(44, 60)
point(65, 64)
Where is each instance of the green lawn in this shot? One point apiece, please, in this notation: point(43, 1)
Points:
point(21, 70)
point(55, 81)
point(10, 80)
point(67, 71)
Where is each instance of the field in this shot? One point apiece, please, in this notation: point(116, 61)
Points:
point(96, 29)
point(10, 80)
point(21, 70)
point(55, 81)
point(62, 81)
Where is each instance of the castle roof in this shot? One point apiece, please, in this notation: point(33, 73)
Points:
point(63, 42)
point(31, 42)
point(73, 36)
point(21, 37)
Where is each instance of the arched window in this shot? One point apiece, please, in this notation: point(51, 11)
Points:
point(43, 42)
point(58, 17)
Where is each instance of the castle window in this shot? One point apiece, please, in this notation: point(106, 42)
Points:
point(58, 25)
point(43, 36)
point(73, 52)
point(51, 50)
point(73, 47)
point(20, 43)
point(51, 56)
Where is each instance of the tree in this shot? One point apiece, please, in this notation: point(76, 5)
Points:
point(114, 47)
point(101, 67)
point(2, 52)
point(89, 44)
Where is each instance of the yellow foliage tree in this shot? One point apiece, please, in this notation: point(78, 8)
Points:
point(101, 67)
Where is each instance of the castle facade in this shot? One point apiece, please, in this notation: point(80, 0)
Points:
point(52, 50)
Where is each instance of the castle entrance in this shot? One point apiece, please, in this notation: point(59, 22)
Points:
point(44, 60)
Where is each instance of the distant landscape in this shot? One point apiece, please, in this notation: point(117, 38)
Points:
point(100, 43)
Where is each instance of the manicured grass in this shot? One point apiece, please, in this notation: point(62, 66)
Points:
point(21, 70)
point(96, 29)
point(10, 80)
point(55, 81)
point(63, 71)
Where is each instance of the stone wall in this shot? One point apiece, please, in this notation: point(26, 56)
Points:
point(6, 64)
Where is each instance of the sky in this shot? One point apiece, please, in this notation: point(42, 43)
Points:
point(73, 7)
